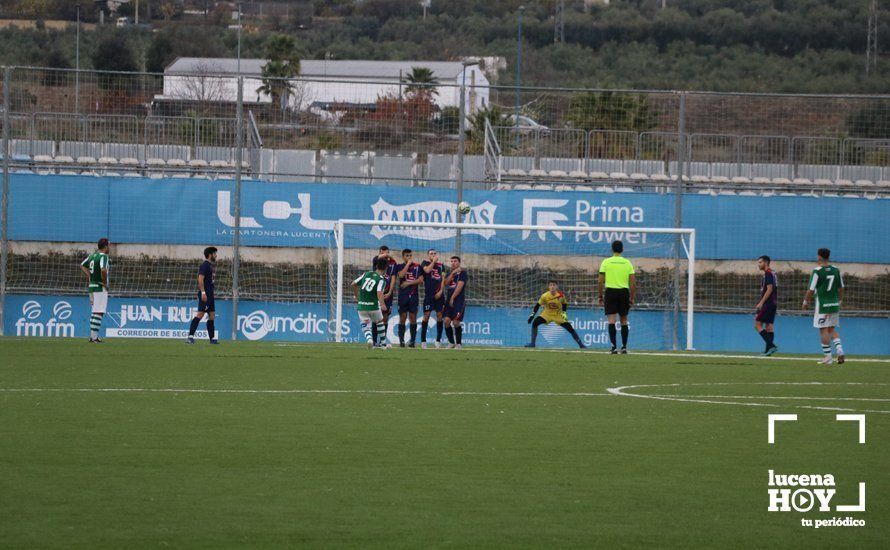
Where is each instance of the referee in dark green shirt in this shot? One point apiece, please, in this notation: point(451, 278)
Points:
point(617, 277)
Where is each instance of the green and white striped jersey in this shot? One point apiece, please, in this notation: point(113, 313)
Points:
point(95, 263)
point(369, 284)
point(825, 282)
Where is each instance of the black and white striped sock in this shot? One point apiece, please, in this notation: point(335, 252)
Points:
point(95, 325)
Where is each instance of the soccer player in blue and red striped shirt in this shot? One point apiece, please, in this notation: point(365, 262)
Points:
point(410, 275)
point(766, 308)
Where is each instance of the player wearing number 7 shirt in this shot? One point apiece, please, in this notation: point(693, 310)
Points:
point(828, 286)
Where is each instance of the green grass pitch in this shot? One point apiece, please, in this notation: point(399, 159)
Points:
point(111, 446)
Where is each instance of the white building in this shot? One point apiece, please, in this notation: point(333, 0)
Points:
point(321, 81)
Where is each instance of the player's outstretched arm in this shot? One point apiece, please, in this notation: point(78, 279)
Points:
point(534, 312)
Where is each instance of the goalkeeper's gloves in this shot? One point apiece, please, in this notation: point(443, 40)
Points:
point(531, 318)
point(565, 316)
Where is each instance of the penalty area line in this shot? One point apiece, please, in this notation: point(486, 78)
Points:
point(622, 391)
point(689, 354)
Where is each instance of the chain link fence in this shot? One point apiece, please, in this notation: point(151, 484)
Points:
point(443, 132)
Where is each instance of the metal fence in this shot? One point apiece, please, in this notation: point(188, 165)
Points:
point(388, 132)
point(447, 134)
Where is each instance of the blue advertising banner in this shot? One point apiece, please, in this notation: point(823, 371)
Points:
point(68, 316)
point(176, 211)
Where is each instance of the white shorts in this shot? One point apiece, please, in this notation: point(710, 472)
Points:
point(375, 316)
point(99, 301)
point(824, 320)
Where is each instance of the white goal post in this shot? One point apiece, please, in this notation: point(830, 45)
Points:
point(686, 238)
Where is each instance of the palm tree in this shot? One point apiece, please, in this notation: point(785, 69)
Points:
point(420, 81)
point(283, 65)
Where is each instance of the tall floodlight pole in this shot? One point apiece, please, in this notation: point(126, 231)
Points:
point(239, 38)
point(77, 66)
point(518, 72)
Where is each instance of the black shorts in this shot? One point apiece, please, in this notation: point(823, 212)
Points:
point(455, 312)
point(767, 314)
point(616, 301)
point(208, 305)
point(431, 303)
point(409, 304)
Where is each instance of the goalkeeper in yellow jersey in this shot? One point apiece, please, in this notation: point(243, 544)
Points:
point(555, 311)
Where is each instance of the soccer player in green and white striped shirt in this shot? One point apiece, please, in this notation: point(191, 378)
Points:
point(95, 267)
point(828, 286)
point(369, 290)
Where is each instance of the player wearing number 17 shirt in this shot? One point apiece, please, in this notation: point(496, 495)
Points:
point(828, 286)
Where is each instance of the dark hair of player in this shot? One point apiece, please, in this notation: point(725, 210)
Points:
point(103, 243)
point(406, 251)
point(380, 264)
point(431, 250)
point(824, 253)
point(552, 281)
point(456, 258)
point(209, 250)
point(618, 247)
point(765, 258)
point(384, 248)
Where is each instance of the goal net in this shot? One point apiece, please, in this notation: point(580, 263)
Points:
point(509, 267)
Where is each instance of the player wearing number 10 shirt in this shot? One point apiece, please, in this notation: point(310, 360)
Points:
point(369, 292)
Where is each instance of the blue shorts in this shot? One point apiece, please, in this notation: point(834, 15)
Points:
point(767, 314)
point(208, 305)
point(431, 303)
point(455, 312)
point(409, 303)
